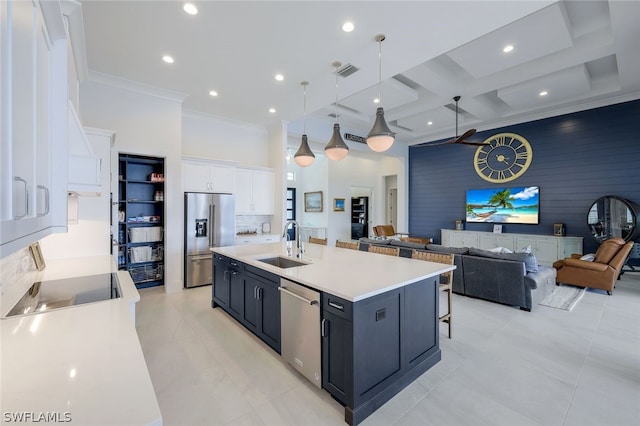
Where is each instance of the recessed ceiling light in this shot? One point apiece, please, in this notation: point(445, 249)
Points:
point(429, 123)
point(279, 77)
point(544, 93)
point(376, 101)
point(508, 48)
point(347, 27)
point(190, 8)
point(272, 110)
point(213, 93)
point(168, 59)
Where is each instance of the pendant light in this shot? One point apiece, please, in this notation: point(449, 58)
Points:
point(304, 156)
point(336, 149)
point(380, 138)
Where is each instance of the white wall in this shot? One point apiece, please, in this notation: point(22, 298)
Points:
point(91, 235)
point(361, 168)
point(146, 125)
point(211, 137)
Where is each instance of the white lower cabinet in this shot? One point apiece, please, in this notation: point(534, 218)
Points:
point(547, 248)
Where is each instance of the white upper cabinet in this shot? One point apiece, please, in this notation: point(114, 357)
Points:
point(32, 88)
point(208, 176)
point(255, 191)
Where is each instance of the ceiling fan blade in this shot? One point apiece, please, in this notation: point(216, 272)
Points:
point(433, 143)
point(473, 143)
point(467, 134)
point(463, 139)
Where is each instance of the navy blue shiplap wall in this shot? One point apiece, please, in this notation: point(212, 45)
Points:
point(577, 158)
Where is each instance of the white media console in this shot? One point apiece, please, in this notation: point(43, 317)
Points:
point(547, 248)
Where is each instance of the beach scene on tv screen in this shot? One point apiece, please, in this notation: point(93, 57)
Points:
point(520, 204)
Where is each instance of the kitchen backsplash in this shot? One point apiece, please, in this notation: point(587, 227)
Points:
point(251, 224)
point(16, 269)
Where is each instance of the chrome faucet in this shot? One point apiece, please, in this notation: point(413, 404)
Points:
point(285, 234)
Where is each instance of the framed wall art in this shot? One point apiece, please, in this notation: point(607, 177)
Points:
point(338, 204)
point(313, 201)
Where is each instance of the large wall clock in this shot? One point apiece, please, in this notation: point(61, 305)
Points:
point(505, 157)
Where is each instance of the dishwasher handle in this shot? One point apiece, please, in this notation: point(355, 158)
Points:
point(304, 299)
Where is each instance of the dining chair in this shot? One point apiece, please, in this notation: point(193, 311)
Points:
point(446, 280)
point(390, 251)
point(314, 240)
point(353, 245)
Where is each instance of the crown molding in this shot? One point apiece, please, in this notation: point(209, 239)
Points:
point(134, 86)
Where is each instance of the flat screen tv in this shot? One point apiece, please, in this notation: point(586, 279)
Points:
point(516, 204)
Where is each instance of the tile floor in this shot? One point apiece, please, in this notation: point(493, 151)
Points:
point(502, 367)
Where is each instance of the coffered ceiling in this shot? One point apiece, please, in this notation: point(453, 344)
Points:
point(584, 54)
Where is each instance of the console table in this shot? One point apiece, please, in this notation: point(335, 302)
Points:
point(547, 248)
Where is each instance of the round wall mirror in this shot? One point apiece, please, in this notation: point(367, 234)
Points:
point(612, 216)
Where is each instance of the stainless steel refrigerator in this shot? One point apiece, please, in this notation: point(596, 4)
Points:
point(209, 222)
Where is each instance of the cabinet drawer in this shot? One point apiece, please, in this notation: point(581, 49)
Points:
point(337, 306)
point(220, 257)
point(272, 279)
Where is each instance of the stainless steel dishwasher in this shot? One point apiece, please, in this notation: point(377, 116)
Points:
point(300, 326)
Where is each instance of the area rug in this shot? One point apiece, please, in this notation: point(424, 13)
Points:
point(564, 297)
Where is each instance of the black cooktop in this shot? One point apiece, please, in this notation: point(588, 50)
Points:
point(55, 294)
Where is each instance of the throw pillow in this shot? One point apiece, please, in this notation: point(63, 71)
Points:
point(500, 250)
point(444, 249)
point(529, 259)
point(588, 257)
point(526, 249)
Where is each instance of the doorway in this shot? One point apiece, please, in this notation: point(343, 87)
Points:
point(392, 210)
point(360, 217)
point(391, 200)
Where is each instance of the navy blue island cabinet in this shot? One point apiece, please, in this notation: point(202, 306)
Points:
point(371, 349)
point(374, 348)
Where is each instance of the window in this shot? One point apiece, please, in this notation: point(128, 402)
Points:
point(291, 209)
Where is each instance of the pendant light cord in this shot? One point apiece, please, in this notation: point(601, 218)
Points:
point(380, 72)
point(337, 65)
point(337, 120)
point(304, 109)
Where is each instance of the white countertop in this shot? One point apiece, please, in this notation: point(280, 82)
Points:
point(84, 362)
point(350, 274)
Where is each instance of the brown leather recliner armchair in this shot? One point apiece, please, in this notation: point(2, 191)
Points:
point(601, 273)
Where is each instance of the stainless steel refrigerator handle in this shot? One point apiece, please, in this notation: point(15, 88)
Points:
point(304, 299)
point(199, 258)
point(212, 225)
point(323, 331)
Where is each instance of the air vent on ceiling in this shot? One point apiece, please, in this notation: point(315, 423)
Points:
point(347, 70)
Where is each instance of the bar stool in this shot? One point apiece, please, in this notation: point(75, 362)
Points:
point(446, 280)
point(390, 251)
point(353, 245)
point(314, 240)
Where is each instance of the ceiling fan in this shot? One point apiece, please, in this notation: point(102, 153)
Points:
point(462, 139)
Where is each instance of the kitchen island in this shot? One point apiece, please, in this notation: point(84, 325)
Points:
point(378, 314)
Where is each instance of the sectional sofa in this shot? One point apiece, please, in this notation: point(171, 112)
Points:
point(513, 279)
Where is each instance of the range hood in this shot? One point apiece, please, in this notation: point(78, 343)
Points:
point(83, 165)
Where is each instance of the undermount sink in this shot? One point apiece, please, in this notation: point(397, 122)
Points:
point(282, 262)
